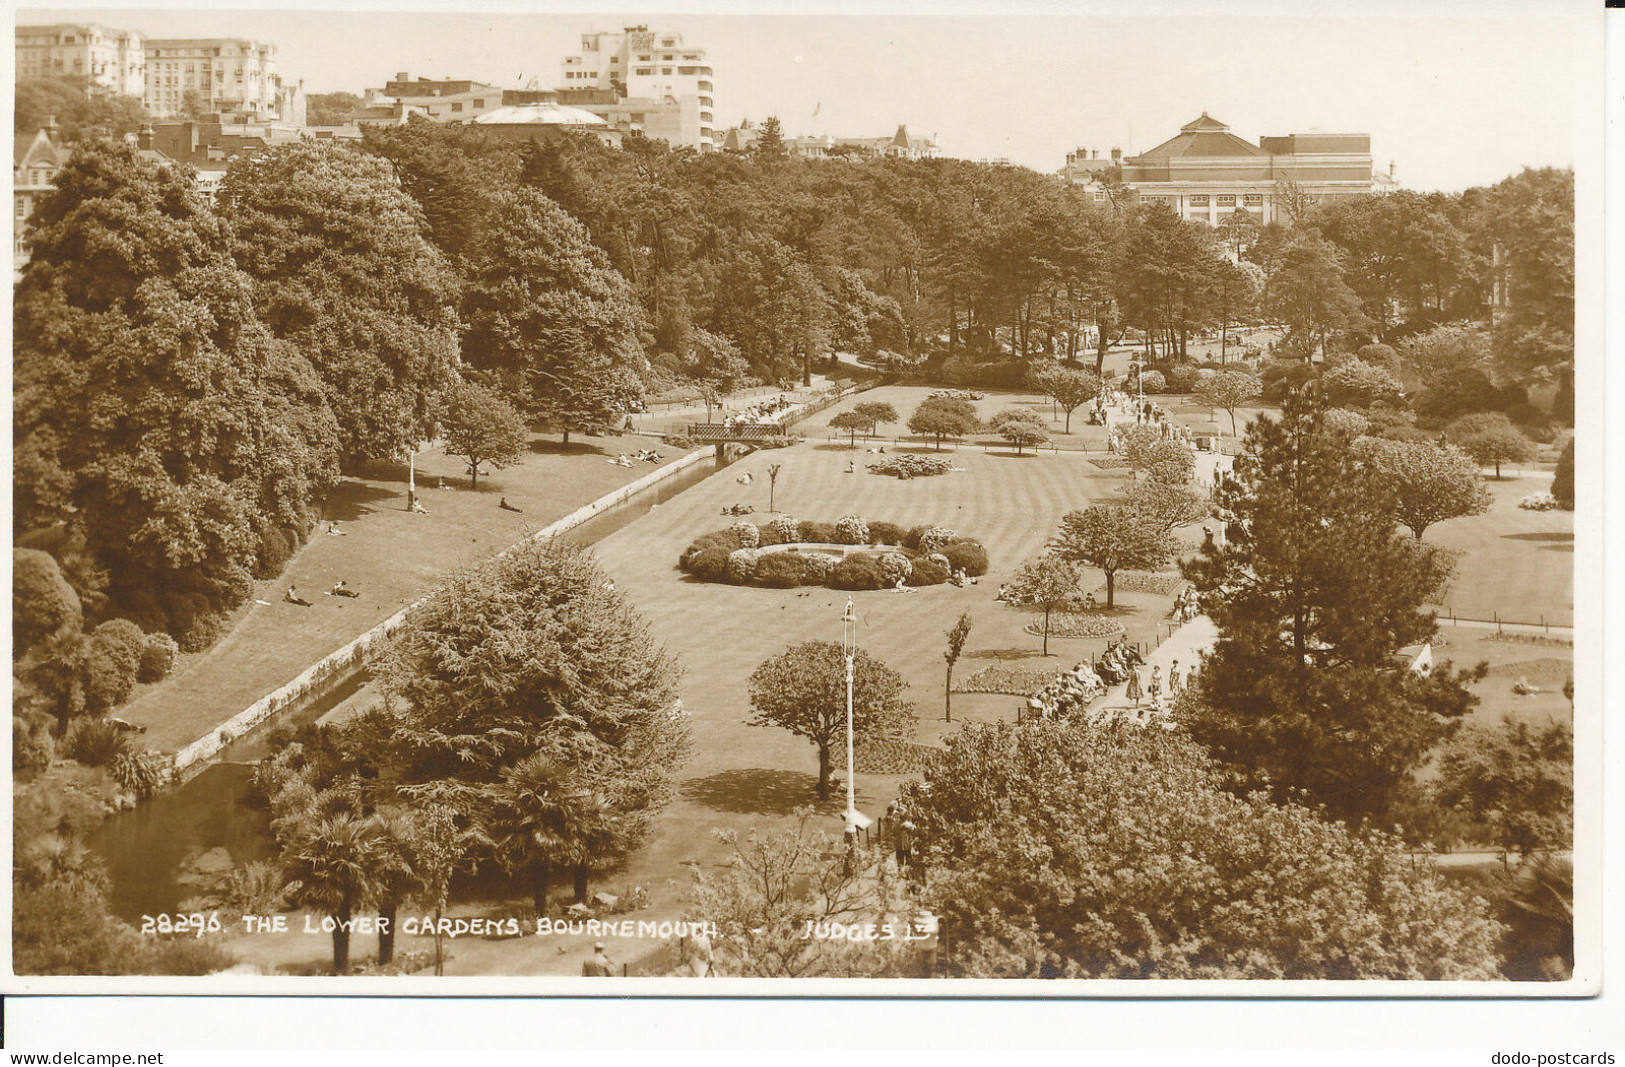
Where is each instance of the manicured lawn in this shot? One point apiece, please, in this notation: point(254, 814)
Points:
point(1543, 663)
point(387, 554)
point(1513, 563)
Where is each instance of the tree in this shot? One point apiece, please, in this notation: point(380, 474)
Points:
point(1167, 506)
point(1048, 582)
point(769, 146)
point(1139, 447)
point(876, 412)
point(1149, 868)
point(1539, 914)
point(1563, 479)
point(773, 470)
point(1354, 383)
point(1112, 538)
point(343, 271)
point(1528, 224)
point(80, 114)
point(941, 417)
point(330, 109)
point(1070, 389)
point(1228, 390)
point(394, 873)
point(1428, 483)
point(331, 869)
point(956, 644)
point(715, 365)
point(1515, 780)
point(550, 320)
point(481, 427)
point(438, 848)
point(1313, 592)
point(1491, 439)
point(1308, 292)
point(1020, 428)
point(803, 690)
point(771, 887)
point(850, 422)
point(42, 601)
point(159, 427)
point(534, 653)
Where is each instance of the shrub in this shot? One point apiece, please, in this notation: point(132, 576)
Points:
point(1563, 478)
point(96, 742)
point(255, 888)
point(939, 559)
point(274, 552)
point(203, 632)
point(777, 440)
point(1152, 381)
point(137, 773)
point(818, 567)
point(927, 571)
point(107, 673)
point(885, 533)
point(851, 530)
point(157, 658)
point(911, 539)
point(784, 529)
point(859, 572)
point(32, 746)
point(780, 570)
point(1182, 379)
point(896, 567)
point(42, 601)
point(933, 539)
point(745, 535)
point(1539, 502)
point(720, 539)
point(906, 465)
point(818, 533)
point(742, 565)
point(968, 556)
point(124, 640)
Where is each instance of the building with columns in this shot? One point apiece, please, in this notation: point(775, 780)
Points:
point(110, 59)
point(1206, 173)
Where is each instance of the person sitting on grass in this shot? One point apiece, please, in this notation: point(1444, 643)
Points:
point(418, 508)
point(505, 506)
point(292, 596)
point(1524, 689)
point(340, 589)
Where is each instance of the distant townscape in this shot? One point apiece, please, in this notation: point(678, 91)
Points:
point(464, 529)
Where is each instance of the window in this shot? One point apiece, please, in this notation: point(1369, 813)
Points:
point(479, 103)
point(457, 107)
point(1199, 200)
point(22, 208)
point(1100, 194)
point(1227, 200)
point(1253, 199)
point(665, 70)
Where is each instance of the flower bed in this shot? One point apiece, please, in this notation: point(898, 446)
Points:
point(1145, 582)
point(906, 465)
point(1016, 681)
point(890, 757)
point(851, 553)
point(1077, 626)
point(1539, 502)
point(1110, 463)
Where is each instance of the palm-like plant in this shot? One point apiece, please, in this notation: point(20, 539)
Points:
point(1539, 913)
point(331, 867)
point(394, 874)
point(532, 805)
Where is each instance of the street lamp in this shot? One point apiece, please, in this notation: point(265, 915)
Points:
point(855, 819)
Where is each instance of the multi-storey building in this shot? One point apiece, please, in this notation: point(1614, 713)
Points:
point(228, 75)
point(652, 74)
point(439, 99)
point(1207, 173)
point(34, 165)
point(900, 145)
point(110, 59)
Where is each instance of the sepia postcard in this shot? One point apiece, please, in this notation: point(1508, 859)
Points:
point(1078, 501)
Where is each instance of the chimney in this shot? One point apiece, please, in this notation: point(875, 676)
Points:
point(143, 139)
point(401, 76)
point(1390, 169)
point(1117, 155)
point(1096, 154)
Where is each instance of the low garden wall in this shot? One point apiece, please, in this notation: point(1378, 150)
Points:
point(321, 676)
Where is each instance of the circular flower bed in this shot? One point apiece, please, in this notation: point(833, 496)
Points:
point(1077, 626)
point(852, 553)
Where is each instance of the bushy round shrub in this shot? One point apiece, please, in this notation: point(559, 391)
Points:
point(780, 570)
point(204, 631)
point(157, 658)
point(818, 533)
point(1539, 502)
point(1152, 381)
point(784, 528)
point(896, 567)
point(817, 567)
point(742, 565)
point(939, 559)
point(911, 539)
point(273, 554)
point(851, 530)
point(858, 572)
point(927, 571)
point(1181, 379)
point(934, 538)
point(718, 539)
point(745, 535)
point(32, 746)
point(123, 639)
point(968, 556)
point(42, 601)
point(112, 658)
point(885, 533)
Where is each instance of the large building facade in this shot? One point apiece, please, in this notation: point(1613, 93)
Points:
point(1207, 174)
point(228, 75)
point(650, 74)
point(110, 59)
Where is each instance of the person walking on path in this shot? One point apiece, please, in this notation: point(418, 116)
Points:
point(1155, 688)
point(1134, 692)
point(1173, 679)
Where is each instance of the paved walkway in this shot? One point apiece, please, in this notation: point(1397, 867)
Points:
point(1186, 645)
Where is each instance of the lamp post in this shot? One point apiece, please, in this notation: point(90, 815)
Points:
point(855, 820)
point(411, 476)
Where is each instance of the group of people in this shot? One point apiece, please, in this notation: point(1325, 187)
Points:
point(757, 414)
point(340, 588)
point(647, 455)
point(1187, 605)
point(1067, 693)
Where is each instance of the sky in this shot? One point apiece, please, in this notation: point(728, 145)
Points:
point(1451, 100)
